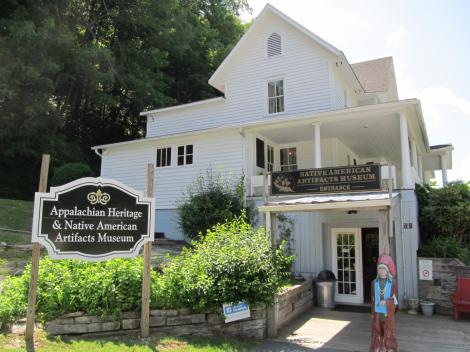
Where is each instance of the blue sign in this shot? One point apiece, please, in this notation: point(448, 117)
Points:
point(236, 311)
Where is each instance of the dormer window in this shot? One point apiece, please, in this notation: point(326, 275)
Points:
point(276, 96)
point(274, 45)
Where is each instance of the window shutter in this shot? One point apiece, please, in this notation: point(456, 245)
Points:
point(259, 153)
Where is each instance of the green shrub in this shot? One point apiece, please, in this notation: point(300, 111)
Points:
point(445, 247)
point(444, 212)
point(70, 172)
point(13, 298)
point(64, 286)
point(210, 200)
point(233, 262)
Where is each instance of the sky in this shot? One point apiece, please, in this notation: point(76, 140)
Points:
point(430, 44)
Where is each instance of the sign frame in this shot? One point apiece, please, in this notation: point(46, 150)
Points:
point(291, 178)
point(53, 195)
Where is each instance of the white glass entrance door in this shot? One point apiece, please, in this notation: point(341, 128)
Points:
point(347, 264)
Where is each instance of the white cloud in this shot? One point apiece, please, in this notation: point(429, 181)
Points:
point(395, 38)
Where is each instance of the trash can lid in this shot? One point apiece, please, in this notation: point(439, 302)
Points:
point(326, 275)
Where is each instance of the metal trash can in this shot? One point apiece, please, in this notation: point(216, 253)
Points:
point(326, 287)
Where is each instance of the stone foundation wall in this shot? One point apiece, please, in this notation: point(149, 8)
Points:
point(444, 284)
point(175, 322)
point(289, 305)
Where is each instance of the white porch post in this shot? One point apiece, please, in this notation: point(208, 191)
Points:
point(317, 145)
point(444, 169)
point(405, 152)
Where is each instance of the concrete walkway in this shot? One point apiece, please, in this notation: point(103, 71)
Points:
point(326, 330)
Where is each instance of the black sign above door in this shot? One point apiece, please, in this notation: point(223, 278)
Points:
point(93, 219)
point(345, 179)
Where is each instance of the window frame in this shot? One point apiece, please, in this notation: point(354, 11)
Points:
point(283, 96)
point(269, 158)
point(289, 165)
point(185, 154)
point(167, 154)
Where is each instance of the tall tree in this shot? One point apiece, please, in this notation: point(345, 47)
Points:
point(76, 73)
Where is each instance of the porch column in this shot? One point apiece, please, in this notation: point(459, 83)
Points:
point(444, 169)
point(405, 153)
point(317, 146)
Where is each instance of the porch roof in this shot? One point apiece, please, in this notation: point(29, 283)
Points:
point(330, 201)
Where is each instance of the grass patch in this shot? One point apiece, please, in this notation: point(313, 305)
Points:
point(14, 237)
point(16, 214)
point(15, 342)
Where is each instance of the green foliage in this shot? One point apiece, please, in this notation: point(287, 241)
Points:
point(233, 262)
point(13, 298)
point(77, 73)
point(70, 172)
point(445, 212)
point(210, 200)
point(445, 247)
point(105, 288)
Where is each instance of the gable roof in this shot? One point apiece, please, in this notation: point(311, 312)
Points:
point(374, 74)
point(215, 78)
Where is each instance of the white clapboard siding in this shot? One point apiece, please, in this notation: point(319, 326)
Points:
point(127, 165)
point(307, 242)
point(303, 65)
point(220, 152)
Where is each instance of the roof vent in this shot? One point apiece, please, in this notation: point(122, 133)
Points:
point(274, 45)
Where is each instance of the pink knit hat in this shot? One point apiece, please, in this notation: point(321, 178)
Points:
point(388, 261)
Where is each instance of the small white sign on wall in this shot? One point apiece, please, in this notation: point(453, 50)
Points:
point(425, 269)
point(236, 311)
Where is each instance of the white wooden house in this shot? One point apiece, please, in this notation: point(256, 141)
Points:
point(292, 101)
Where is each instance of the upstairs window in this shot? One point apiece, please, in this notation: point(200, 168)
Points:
point(274, 45)
point(288, 159)
point(276, 96)
point(163, 157)
point(185, 154)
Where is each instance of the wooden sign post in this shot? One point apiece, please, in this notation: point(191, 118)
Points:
point(33, 282)
point(145, 314)
point(98, 204)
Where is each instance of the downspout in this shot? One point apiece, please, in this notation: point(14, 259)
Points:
point(245, 166)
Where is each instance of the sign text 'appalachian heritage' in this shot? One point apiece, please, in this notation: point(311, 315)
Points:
point(93, 219)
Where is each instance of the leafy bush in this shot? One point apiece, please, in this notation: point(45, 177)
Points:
point(445, 212)
point(445, 247)
point(233, 262)
point(106, 288)
point(210, 200)
point(70, 172)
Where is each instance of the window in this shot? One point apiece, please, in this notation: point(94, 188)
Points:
point(274, 45)
point(288, 159)
point(270, 155)
point(185, 154)
point(276, 96)
point(163, 157)
point(259, 153)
